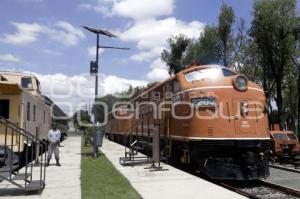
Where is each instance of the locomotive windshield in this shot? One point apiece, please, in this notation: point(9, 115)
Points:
point(208, 73)
point(291, 136)
point(280, 136)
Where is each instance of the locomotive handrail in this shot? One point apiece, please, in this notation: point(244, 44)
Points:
point(132, 144)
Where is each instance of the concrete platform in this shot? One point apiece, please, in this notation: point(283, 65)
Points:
point(172, 183)
point(61, 182)
point(285, 178)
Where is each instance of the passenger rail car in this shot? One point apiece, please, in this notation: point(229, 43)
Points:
point(209, 118)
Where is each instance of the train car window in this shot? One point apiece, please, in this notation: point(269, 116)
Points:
point(175, 86)
point(280, 136)
point(34, 110)
point(156, 95)
point(4, 108)
point(228, 73)
point(28, 111)
point(207, 73)
point(44, 117)
point(145, 95)
point(291, 136)
point(38, 85)
point(26, 82)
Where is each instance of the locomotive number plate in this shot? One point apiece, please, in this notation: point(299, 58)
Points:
point(204, 101)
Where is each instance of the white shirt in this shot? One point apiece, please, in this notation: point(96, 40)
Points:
point(54, 136)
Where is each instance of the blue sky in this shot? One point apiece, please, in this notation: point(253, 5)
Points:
point(45, 36)
point(47, 56)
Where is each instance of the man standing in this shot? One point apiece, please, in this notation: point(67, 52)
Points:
point(53, 145)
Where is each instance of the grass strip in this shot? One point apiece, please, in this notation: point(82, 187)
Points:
point(100, 179)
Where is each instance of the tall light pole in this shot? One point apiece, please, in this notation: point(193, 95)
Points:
point(94, 71)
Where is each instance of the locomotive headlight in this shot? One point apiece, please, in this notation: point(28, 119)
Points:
point(241, 83)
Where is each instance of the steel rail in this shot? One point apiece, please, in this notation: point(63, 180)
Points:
point(295, 168)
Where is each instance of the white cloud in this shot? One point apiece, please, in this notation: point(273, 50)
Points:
point(145, 9)
point(70, 91)
point(152, 33)
point(113, 84)
point(151, 37)
point(92, 51)
point(135, 9)
point(27, 33)
point(147, 55)
point(9, 58)
point(159, 71)
point(104, 10)
point(66, 33)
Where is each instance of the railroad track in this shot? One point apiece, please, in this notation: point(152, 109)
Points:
point(291, 166)
point(259, 189)
point(255, 189)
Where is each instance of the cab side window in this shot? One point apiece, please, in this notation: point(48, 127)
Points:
point(175, 86)
point(26, 82)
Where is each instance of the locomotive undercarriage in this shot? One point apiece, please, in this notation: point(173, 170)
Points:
point(230, 159)
point(217, 159)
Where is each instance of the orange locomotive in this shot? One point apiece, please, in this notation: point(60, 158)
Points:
point(208, 117)
point(285, 144)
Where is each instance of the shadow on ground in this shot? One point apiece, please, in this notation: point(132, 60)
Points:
point(90, 154)
point(16, 192)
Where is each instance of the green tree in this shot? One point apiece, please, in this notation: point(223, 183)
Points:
point(296, 61)
point(226, 20)
point(174, 57)
point(80, 117)
point(105, 103)
point(272, 30)
point(205, 50)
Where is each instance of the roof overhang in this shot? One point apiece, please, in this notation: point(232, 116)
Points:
point(9, 88)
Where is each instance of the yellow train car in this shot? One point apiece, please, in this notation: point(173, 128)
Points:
point(21, 103)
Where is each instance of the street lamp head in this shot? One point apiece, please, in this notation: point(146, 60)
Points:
point(99, 31)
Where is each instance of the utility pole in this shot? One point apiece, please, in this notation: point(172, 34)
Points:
point(94, 72)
